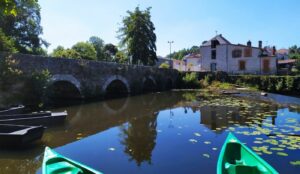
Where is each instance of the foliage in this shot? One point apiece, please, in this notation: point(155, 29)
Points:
point(24, 28)
point(6, 43)
point(98, 44)
point(8, 7)
point(110, 51)
point(121, 57)
point(278, 84)
point(208, 79)
point(85, 50)
point(137, 34)
point(181, 53)
point(37, 84)
point(164, 65)
point(190, 80)
point(8, 72)
point(65, 53)
point(220, 85)
point(294, 53)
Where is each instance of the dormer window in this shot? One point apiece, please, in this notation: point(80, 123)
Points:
point(237, 53)
point(214, 43)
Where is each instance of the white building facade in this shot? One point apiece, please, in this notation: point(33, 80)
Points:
point(193, 62)
point(218, 54)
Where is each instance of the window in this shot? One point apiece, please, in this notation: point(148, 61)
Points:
point(237, 53)
point(248, 52)
point(213, 67)
point(242, 65)
point(214, 43)
point(213, 54)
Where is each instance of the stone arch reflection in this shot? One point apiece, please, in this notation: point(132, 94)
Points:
point(139, 138)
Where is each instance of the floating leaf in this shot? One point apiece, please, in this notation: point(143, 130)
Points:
point(277, 149)
point(207, 142)
point(111, 149)
point(206, 155)
point(295, 163)
point(282, 154)
point(193, 141)
point(197, 134)
point(257, 142)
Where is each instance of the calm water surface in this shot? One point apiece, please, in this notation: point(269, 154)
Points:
point(170, 132)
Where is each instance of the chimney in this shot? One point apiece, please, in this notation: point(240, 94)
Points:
point(249, 44)
point(260, 44)
point(274, 50)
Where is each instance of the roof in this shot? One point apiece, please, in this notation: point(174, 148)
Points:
point(283, 51)
point(286, 61)
point(219, 38)
point(193, 55)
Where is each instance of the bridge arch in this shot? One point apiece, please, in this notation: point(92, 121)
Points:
point(64, 86)
point(149, 84)
point(116, 85)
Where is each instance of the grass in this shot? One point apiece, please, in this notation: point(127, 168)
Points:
point(221, 86)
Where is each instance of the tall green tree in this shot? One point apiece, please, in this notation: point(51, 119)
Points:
point(8, 7)
point(98, 44)
point(24, 28)
point(137, 35)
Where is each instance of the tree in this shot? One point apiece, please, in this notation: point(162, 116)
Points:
point(183, 52)
point(110, 51)
point(164, 65)
point(24, 28)
point(61, 52)
point(98, 44)
point(121, 57)
point(8, 7)
point(85, 50)
point(137, 34)
point(294, 53)
point(6, 43)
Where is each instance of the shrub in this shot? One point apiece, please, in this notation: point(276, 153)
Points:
point(190, 80)
point(279, 85)
point(208, 79)
point(289, 83)
point(164, 65)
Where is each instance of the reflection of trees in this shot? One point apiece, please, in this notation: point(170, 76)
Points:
point(139, 138)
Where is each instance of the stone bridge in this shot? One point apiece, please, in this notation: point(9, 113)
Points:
point(77, 78)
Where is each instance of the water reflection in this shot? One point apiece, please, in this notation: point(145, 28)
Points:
point(150, 131)
point(139, 138)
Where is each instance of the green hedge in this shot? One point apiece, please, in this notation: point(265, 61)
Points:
point(278, 84)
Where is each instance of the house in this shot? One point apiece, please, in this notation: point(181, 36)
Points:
point(219, 54)
point(193, 62)
point(282, 54)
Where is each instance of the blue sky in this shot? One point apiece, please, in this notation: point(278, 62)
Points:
point(186, 22)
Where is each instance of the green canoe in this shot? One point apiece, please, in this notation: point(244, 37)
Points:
point(236, 158)
point(55, 163)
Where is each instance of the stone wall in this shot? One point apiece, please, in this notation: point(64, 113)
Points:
point(92, 78)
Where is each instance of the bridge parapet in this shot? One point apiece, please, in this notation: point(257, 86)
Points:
point(96, 78)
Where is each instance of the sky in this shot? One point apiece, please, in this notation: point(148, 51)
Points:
point(186, 22)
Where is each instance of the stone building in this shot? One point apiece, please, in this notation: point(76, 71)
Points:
point(218, 54)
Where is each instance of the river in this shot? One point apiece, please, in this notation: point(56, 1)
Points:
point(167, 132)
